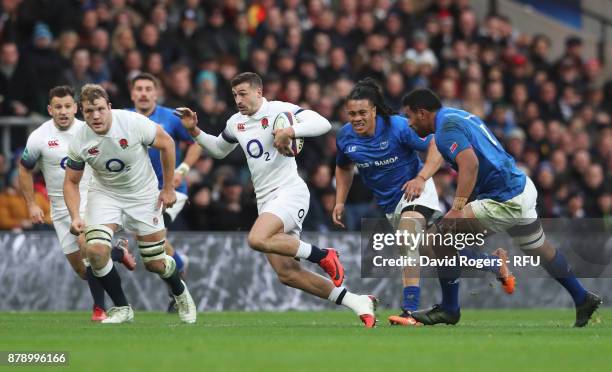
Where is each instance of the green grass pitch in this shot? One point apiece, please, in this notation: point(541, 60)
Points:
point(484, 340)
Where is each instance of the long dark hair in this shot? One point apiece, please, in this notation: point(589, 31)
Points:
point(369, 89)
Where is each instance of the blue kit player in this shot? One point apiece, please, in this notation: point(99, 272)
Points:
point(383, 148)
point(505, 200)
point(144, 94)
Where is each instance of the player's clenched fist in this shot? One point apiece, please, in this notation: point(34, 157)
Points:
point(166, 199)
point(77, 226)
point(282, 140)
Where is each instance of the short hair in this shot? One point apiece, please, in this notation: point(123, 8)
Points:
point(145, 76)
point(422, 99)
point(92, 92)
point(252, 78)
point(61, 91)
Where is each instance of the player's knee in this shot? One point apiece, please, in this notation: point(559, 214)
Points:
point(157, 266)
point(96, 255)
point(257, 242)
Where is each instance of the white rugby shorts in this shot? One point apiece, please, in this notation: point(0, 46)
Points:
point(290, 204)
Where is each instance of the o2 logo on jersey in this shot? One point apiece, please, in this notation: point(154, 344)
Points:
point(255, 150)
point(115, 165)
point(63, 162)
point(301, 213)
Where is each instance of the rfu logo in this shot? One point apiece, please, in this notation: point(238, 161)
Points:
point(93, 151)
point(241, 127)
point(351, 148)
point(53, 143)
point(384, 145)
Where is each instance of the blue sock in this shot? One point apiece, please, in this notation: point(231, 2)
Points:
point(180, 265)
point(472, 254)
point(559, 269)
point(449, 283)
point(411, 298)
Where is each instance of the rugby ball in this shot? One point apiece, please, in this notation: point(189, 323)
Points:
point(284, 120)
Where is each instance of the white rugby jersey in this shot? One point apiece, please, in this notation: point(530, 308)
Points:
point(269, 168)
point(47, 146)
point(119, 159)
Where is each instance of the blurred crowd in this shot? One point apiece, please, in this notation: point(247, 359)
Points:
point(551, 112)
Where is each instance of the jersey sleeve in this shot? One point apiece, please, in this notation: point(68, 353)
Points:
point(408, 137)
point(341, 158)
point(75, 160)
point(228, 133)
point(281, 106)
point(146, 130)
point(31, 153)
point(451, 140)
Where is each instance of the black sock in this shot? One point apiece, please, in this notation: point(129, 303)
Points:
point(317, 254)
point(117, 254)
point(96, 288)
point(112, 285)
point(175, 283)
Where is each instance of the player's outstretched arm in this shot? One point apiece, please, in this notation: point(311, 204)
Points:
point(72, 197)
point(344, 180)
point(217, 147)
point(165, 144)
point(26, 184)
point(414, 187)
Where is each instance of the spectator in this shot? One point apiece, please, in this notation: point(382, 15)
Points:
point(14, 213)
point(46, 62)
point(178, 83)
point(232, 212)
point(78, 74)
point(198, 212)
point(16, 83)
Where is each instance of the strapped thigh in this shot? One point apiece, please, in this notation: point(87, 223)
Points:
point(530, 236)
point(151, 251)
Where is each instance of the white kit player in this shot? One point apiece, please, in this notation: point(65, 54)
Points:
point(282, 196)
point(47, 147)
point(123, 194)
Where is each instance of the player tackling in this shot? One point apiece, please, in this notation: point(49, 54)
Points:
point(282, 196)
point(505, 201)
point(123, 193)
point(384, 149)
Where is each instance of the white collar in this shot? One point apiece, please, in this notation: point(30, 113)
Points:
point(263, 110)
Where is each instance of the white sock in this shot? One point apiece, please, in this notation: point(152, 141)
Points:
point(304, 250)
point(333, 296)
point(105, 270)
point(358, 303)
